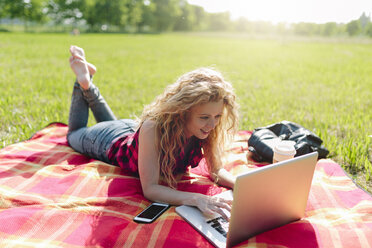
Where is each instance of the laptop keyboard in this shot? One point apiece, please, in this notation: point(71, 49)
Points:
point(220, 224)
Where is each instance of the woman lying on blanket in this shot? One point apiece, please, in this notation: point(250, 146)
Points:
point(196, 112)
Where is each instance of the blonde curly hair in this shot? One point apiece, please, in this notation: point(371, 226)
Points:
point(169, 112)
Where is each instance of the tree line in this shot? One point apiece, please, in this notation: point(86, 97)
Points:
point(158, 16)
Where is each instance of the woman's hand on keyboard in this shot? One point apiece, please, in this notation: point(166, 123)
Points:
point(214, 206)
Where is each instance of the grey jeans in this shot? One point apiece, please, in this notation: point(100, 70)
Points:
point(94, 141)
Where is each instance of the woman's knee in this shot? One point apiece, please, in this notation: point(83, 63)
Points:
point(75, 139)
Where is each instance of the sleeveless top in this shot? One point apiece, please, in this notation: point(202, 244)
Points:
point(124, 153)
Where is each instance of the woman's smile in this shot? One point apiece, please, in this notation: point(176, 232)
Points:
point(203, 119)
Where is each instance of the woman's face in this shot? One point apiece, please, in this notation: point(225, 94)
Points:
point(202, 119)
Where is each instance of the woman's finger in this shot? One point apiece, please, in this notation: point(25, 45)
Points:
point(226, 201)
point(222, 213)
point(208, 213)
point(223, 202)
point(224, 205)
point(220, 206)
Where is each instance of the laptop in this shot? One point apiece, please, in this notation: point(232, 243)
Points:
point(263, 199)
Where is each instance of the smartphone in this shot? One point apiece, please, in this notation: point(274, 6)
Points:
point(151, 213)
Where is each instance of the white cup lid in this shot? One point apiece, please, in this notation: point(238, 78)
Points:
point(285, 147)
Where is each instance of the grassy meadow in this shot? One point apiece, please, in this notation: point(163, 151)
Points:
point(324, 85)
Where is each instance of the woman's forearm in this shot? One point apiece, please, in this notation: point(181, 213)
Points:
point(160, 193)
point(225, 178)
point(208, 205)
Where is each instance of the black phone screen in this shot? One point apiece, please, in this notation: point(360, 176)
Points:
point(152, 211)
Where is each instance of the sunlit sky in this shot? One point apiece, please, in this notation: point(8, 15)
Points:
point(290, 11)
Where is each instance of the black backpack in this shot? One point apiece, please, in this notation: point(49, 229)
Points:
point(263, 139)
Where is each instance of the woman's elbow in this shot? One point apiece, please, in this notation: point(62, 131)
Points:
point(149, 192)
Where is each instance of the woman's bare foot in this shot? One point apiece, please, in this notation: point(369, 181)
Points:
point(75, 50)
point(80, 68)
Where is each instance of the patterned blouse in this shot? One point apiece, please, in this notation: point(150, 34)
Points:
point(124, 153)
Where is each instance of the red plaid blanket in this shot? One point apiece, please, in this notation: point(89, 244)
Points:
point(51, 196)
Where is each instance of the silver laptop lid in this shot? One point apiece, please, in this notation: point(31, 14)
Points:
point(270, 196)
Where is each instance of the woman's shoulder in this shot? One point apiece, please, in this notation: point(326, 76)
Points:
point(147, 128)
point(148, 124)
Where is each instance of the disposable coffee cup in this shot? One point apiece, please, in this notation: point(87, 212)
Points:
point(284, 150)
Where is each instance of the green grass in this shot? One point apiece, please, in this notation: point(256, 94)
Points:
point(326, 86)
